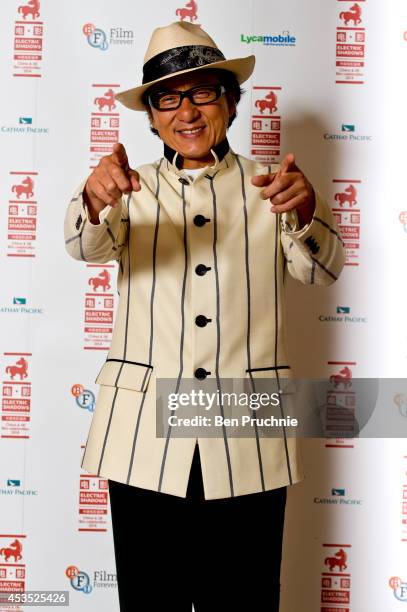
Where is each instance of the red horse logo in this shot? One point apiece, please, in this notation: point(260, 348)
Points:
point(348, 196)
point(339, 559)
point(108, 100)
point(32, 7)
point(20, 367)
point(352, 15)
point(102, 280)
point(270, 102)
point(26, 187)
point(14, 550)
point(190, 10)
point(343, 378)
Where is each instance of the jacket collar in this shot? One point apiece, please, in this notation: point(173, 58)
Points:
point(220, 152)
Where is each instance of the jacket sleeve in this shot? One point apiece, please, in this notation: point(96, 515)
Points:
point(315, 253)
point(95, 243)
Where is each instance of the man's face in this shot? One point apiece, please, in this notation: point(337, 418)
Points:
point(211, 119)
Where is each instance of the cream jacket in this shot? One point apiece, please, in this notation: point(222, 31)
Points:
point(207, 248)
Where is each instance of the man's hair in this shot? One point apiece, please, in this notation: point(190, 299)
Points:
point(226, 78)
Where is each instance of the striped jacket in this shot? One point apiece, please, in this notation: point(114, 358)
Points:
point(201, 283)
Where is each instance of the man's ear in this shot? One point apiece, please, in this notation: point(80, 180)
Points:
point(150, 117)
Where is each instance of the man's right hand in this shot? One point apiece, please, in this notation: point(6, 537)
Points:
point(109, 180)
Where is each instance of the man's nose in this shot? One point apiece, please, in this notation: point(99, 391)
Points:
point(187, 110)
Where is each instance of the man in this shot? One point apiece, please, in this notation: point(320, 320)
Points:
point(203, 238)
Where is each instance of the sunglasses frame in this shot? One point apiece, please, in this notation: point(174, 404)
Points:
point(188, 94)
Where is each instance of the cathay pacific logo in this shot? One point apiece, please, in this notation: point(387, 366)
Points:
point(14, 487)
point(25, 126)
point(272, 40)
point(338, 497)
point(349, 132)
point(343, 315)
point(19, 306)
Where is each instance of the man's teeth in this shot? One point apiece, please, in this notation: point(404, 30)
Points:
point(191, 131)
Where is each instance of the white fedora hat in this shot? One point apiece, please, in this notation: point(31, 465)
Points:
point(177, 49)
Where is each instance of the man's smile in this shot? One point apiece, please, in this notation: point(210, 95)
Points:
point(191, 132)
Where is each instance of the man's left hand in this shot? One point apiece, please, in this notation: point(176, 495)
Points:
point(288, 189)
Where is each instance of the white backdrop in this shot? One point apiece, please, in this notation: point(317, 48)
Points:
point(337, 70)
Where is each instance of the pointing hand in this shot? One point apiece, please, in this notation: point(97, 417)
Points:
point(288, 189)
point(109, 180)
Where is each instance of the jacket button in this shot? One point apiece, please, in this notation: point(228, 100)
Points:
point(201, 320)
point(183, 180)
point(312, 244)
point(201, 269)
point(200, 220)
point(201, 373)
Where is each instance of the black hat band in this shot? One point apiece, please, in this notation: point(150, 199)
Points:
point(179, 58)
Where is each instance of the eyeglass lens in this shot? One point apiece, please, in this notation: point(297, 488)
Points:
point(198, 95)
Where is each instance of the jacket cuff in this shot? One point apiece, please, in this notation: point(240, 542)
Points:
point(290, 223)
point(108, 215)
point(105, 213)
point(310, 238)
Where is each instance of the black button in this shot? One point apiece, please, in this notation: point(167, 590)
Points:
point(200, 220)
point(201, 320)
point(201, 269)
point(183, 180)
point(78, 222)
point(312, 244)
point(201, 373)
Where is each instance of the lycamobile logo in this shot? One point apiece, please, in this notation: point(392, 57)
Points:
point(279, 40)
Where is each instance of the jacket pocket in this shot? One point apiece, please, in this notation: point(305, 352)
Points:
point(265, 378)
point(270, 372)
point(125, 374)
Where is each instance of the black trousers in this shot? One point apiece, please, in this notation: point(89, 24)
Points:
point(220, 554)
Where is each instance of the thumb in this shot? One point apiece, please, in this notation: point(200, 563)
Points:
point(261, 180)
point(288, 163)
point(119, 155)
point(134, 180)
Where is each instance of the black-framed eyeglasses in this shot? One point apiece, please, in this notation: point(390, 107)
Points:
point(199, 95)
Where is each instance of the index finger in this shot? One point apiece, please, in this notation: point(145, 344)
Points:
point(119, 155)
point(288, 164)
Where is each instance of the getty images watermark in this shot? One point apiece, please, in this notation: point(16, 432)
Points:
point(215, 400)
point(283, 407)
point(211, 407)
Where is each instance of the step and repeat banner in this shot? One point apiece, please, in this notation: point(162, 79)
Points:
point(329, 85)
